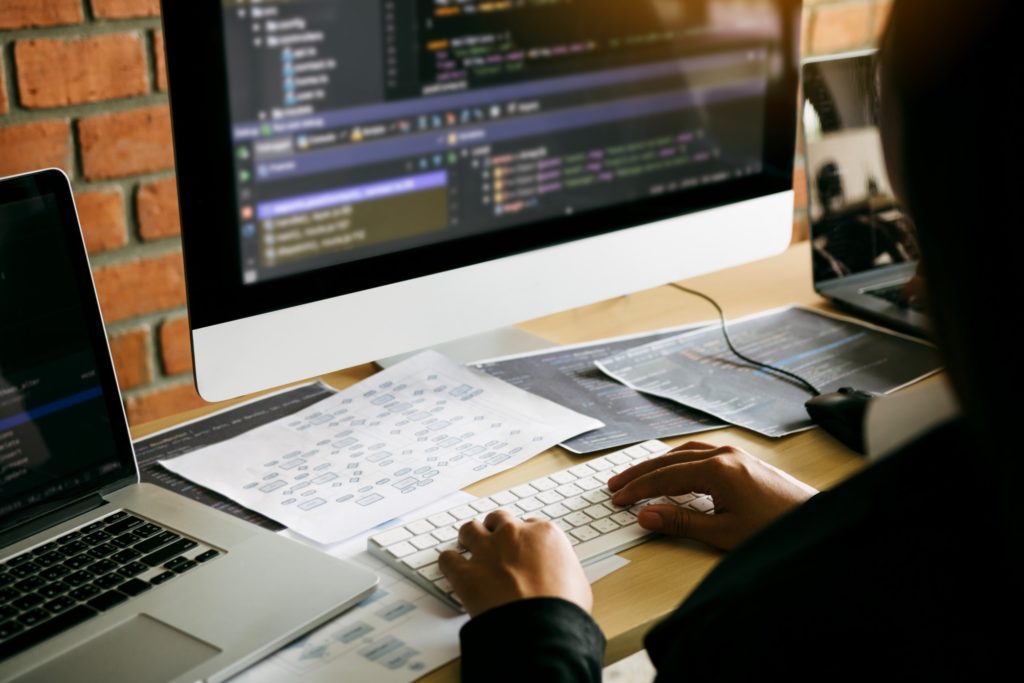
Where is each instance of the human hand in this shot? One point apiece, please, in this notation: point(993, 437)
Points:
point(514, 560)
point(748, 493)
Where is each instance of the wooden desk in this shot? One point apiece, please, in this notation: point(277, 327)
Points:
point(663, 572)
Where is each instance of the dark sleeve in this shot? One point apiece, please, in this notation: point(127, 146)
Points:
point(541, 639)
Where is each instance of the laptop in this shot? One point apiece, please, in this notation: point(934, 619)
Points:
point(103, 578)
point(863, 244)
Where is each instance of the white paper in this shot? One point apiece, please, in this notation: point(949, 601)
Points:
point(388, 445)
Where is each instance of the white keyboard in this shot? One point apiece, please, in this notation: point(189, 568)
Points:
point(576, 499)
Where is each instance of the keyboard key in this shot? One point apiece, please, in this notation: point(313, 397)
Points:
point(581, 470)
point(569, 490)
point(134, 587)
point(549, 497)
point(19, 560)
point(24, 569)
point(32, 583)
point(73, 548)
point(167, 552)
point(107, 600)
point(556, 510)
point(401, 549)
point(420, 527)
point(207, 556)
point(589, 483)
point(61, 622)
point(524, 491)
point(636, 452)
point(110, 519)
point(96, 538)
point(108, 581)
point(7, 613)
point(185, 566)
point(423, 542)
point(625, 517)
point(126, 540)
point(585, 533)
point(78, 578)
point(462, 513)
point(503, 498)
point(563, 477)
point(44, 548)
point(132, 569)
point(702, 505)
point(175, 562)
point(92, 527)
point(85, 592)
point(67, 538)
point(162, 578)
point(78, 561)
point(61, 604)
point(126, 555)
point(147, 530)
point(619, 458)
point(9, 628)
point(8, 594)
point(27, 601)
point(441, 519)
point(601, 464)
point(33, 617)
point(446, 533)
point(6, 580)
point(420, 559)
point(482, 505)
point(51, 558)
point(161, 539)
point(432, 572)
point(598, 511)
point(392, 536)
point(597, 496)
point(544, 484)
point(576, 503)
point(52, 590)
point(605, 525)
point(102, 550)
point(55, 572)
point(578, 519)
point(124, 525)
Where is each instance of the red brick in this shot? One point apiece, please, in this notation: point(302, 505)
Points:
point(800, 187)
point(32, 146)
point(126, 143)
point(157, 207)
point(28, 13)
point(160, 61)
point(124, 9)
point(841, 27)
point(59, 73)
point(137, 287)
point(102, 216)
point(176, 346)
point(161, 403)
point(131, 358)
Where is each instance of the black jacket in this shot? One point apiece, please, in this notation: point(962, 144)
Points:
point(896, 572)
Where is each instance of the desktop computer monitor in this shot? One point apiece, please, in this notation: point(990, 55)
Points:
point(363, 178)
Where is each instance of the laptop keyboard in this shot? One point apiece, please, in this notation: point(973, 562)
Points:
point(89, 570)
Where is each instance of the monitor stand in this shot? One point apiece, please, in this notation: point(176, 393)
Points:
point(504, 341)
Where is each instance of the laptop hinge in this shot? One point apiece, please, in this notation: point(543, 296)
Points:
point(52, 518)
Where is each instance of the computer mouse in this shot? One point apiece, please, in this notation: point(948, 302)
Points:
point(841, 414)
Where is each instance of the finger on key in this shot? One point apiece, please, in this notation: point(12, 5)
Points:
point(674, 457)
point(470, 533)
point(452, 564)
point(672, 480)
point(498, 519)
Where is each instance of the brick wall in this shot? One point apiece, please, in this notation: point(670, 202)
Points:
point(82, 87)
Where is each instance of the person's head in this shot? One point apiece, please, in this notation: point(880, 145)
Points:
point(950, 71)
point(950, 79)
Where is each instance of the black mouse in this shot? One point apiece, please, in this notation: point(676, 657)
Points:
point(841, 414)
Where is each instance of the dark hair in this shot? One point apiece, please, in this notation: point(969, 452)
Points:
point(951, 75)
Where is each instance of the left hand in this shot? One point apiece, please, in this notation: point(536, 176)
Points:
point(514, 560)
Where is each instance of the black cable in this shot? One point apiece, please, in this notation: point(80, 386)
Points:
point(725, 333)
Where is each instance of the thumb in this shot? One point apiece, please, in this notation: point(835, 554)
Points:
point(673, 520)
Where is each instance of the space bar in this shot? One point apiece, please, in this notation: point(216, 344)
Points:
point(62, 622)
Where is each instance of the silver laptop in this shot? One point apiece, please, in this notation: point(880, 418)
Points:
point(863, 245)
point(103, 578)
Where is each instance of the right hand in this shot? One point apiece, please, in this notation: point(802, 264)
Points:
point(749, 494)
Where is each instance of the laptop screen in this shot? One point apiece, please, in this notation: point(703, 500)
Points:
point(856, 223)
point(57, 436)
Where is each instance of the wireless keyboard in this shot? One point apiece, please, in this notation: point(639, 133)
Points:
point(576, 499)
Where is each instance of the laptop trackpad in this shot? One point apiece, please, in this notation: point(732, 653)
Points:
point(141, 649)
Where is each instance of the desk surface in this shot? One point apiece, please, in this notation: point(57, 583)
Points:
point(662, 572)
